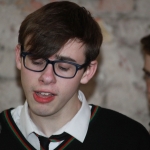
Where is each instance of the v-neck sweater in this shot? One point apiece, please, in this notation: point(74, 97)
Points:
point(107, 130)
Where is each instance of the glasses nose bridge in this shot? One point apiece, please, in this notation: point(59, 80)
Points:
point(50, 62)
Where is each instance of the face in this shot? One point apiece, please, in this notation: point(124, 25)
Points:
point(147, 73)
point(50, 95)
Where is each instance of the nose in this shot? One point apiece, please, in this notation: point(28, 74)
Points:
point(47, 76)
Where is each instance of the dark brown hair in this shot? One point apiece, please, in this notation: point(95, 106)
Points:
point(46, 30)
point(145, 41)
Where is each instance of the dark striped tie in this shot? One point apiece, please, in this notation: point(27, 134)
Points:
point(44, 141)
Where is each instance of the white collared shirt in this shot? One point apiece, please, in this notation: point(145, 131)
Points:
point(77, 127)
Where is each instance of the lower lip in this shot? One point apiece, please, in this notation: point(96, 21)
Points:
point(42, 99)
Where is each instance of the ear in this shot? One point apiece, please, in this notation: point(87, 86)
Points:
point(18, 58)
point(89, 73)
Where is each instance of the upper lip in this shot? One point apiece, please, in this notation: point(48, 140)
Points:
point(45, 91)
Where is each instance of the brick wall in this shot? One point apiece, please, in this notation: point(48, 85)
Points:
point(118, 84)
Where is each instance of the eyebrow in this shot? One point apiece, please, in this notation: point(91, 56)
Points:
point(64, 58)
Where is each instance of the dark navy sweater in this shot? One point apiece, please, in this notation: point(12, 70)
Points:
point(108, 130)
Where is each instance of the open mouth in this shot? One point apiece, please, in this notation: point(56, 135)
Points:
point(44, 94)
point(43, 97)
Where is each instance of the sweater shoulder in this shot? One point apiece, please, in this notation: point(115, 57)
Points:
point(3, 118)
point(116, 120)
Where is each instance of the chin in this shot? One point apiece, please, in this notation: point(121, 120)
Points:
point(38, 111)
point(42, 113)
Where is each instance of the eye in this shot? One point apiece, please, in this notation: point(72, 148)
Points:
point(38, 62)
point(147, 75)
point(62, 68)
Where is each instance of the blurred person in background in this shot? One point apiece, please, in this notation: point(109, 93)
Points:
point(145, 43)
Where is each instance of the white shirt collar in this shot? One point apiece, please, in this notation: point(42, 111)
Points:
point(77, 127)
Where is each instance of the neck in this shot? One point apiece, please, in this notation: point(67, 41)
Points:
point(50, 124)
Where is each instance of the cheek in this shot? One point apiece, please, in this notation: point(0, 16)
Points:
point(148, 89)
point(27, 79)
point(69, 85)
point(148, 85)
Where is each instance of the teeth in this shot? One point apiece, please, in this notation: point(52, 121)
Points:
point(46, 94)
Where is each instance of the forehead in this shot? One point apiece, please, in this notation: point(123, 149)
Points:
point(147, 62)
point(73, 49)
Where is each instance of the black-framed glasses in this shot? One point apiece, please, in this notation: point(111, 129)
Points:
point(63, 69)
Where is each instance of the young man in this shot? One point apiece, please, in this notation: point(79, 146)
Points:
point(57, 51)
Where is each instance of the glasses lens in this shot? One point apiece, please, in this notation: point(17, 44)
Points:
point(62, 69)
point(65, 69)
point(34, 64)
